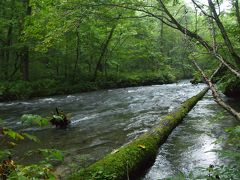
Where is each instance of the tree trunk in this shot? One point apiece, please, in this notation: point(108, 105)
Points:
point(134, 157)
point(25, 50)
point(66, 57)
point(16, 67)
point(216, 95)
point(161, 35)
point(9, 43)
point(185, 30)
point(105, 68)
point(57, 69)
point(237, 11)
point(104, 50)
point(2, 60)
point(224, 33)
point(25, 63)
point(198, 38)
point(77, 53)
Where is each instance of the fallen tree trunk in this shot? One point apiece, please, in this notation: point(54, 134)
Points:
point(216, 95)
point(134, 157)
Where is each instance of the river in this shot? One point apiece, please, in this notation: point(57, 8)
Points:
point(105, 120)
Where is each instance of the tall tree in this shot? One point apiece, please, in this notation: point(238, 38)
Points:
point(25, 48)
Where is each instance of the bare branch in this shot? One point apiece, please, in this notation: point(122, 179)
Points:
point(201, 9)
point(216, 95)
point(179, 10)
point(222, 60)
point(204, 43)
point(184, 30)
point(216, 71)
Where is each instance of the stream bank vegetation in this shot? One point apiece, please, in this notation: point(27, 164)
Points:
point(58, 47)
point(43, 168)
point(10, 168)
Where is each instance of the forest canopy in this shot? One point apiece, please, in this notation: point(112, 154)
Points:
point(54, 47)
point(102, 44)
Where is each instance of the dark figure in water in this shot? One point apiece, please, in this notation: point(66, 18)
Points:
point(60, 119)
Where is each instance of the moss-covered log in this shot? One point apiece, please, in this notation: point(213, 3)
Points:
point(137, 155)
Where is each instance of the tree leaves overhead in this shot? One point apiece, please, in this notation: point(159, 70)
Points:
point(66, 38)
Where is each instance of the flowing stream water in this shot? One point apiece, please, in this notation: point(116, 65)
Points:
point(105, 120)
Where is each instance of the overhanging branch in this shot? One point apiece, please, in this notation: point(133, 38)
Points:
point(215, 93)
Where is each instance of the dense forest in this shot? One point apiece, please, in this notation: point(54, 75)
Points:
point(57, 47)
point(50, 47)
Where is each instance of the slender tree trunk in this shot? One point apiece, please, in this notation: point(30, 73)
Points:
point(65, 70)
point(183, 29)
point(9, 41)
point(161, 31)
point(161, 36)
point(108, 54)
point(212, 31)
point(103, 52)
point(25, 50)
point(16, 66)
point(2, 60)
point(105, 68)
point(57, 68)
point(66, 56)
point(77, 53)
point(227, 41)
point(8, 45)
point(196, 19)
point(89, 63)
point(236, 5)
point(216, 95)
point(89, 67)
point(117, 69)
point(25, 63)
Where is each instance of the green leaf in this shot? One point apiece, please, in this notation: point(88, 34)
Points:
point(4, 153)
point(12, 134)
point(58, 118)
point(52, 154)
point(34, 119)
point(31, 137)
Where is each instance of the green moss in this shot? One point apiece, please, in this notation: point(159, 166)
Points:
point(138, 154)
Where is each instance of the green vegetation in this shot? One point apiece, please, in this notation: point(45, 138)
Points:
point(9, 169)
point(59, 47)
point(25, 89)
point(54, 47)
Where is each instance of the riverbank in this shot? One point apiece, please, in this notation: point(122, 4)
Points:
point(230, 85)
point(22, 90)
